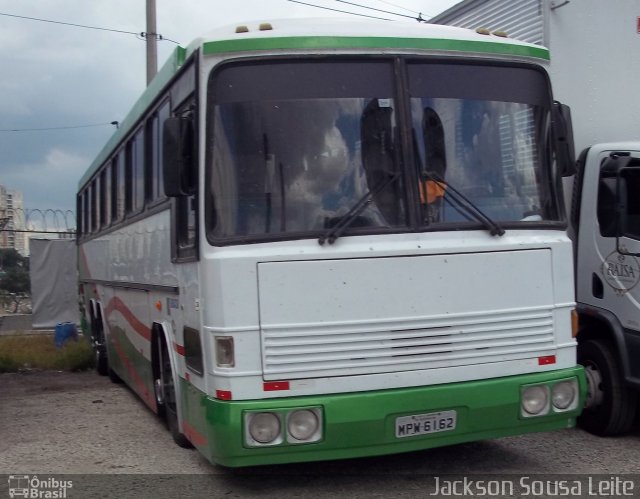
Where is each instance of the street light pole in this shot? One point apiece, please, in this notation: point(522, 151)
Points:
point(152, 41)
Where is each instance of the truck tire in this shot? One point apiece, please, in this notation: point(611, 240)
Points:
point(611, 406)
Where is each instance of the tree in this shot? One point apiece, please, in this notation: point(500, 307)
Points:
point(15, 282)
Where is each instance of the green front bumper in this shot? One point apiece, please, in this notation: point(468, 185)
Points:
point(363, 424)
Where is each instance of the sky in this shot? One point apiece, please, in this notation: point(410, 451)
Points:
point(56, 75)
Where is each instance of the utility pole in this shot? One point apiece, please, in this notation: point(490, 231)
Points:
point(152, 41)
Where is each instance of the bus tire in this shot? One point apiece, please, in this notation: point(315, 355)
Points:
point(611, 405)
point(113, 376)
point(167, 381)
point(102, 362)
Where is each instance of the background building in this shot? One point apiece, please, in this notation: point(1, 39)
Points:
point(12, 221)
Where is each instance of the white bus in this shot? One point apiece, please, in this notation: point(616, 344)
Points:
point(317, 239)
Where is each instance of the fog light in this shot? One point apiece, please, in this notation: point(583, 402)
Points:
point(563, 395)
point(303, 424)
point(264, 427)
point(225, 355)
point(535, 399)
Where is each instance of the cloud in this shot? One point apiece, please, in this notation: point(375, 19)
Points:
point(47, 192)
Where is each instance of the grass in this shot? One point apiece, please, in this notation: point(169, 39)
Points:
point(40, 352)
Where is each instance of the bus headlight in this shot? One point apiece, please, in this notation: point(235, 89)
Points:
point(264, 427)
point(563, 395)
point(535, 400)
point(303, 425)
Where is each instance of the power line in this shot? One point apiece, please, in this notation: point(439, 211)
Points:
point(337, 10)
point(401, 7)
point(115, 123)
point(137, 34)
point(419, 18)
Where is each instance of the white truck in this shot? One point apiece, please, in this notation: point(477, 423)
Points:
point(595, 70)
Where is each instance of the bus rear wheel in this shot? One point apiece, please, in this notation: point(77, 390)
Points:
point(101, 360)
point(611, 405)
point(167, 394)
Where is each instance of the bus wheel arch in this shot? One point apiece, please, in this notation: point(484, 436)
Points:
point(166, 388)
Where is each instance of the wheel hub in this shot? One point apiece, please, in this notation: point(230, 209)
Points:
point(159, 390)
point(595, 395)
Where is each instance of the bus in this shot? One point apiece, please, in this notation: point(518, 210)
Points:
point(323, 239)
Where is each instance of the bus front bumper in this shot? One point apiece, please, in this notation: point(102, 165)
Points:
point(379, 422)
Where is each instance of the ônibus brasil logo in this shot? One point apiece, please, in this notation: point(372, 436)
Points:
point(33, 487)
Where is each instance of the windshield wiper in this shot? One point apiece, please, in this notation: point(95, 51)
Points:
point(466, 205)
point(347, 219)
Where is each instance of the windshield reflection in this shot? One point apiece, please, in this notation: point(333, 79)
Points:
point(300, 165)
point(488, 150)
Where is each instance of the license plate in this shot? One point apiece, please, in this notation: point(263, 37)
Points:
point(423, 424)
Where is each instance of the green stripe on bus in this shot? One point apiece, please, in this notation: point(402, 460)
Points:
point(333, 42)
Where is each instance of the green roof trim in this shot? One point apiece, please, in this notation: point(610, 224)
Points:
point(333, 42)
point(157, 85)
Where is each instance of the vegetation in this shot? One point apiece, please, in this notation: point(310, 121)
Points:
point(40, 352)
point(15, 283)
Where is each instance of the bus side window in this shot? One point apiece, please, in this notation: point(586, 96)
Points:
point(122, 190)
point(155, 179)
point(186, 213)
point(193, 350)
point(138, 159)
point(93, 206)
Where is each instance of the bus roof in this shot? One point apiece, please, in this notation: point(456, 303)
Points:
point(343, 33)
point(317, 35)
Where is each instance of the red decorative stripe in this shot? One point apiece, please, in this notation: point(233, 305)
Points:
point(140, 386)
point(178, 348)
point(194, 436)
point(117, 304)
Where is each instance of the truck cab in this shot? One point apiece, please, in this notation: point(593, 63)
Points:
point(605, 220)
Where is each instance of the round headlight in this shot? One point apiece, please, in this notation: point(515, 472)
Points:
point(563, 394)
point(264, 427)
point(302, 424)
point(534, 399)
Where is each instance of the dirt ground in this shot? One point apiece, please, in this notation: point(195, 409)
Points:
point(58, 422)
point(101, 436)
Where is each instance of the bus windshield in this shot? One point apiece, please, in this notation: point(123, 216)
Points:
point(295, 146)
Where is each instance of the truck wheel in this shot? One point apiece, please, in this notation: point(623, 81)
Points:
point(167, 388)
point(610, 406)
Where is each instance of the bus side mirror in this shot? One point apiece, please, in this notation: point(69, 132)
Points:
point(178, 156)
point(563, 139)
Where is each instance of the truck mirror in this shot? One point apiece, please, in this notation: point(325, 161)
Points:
point(178, 156)
point(563, 139)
